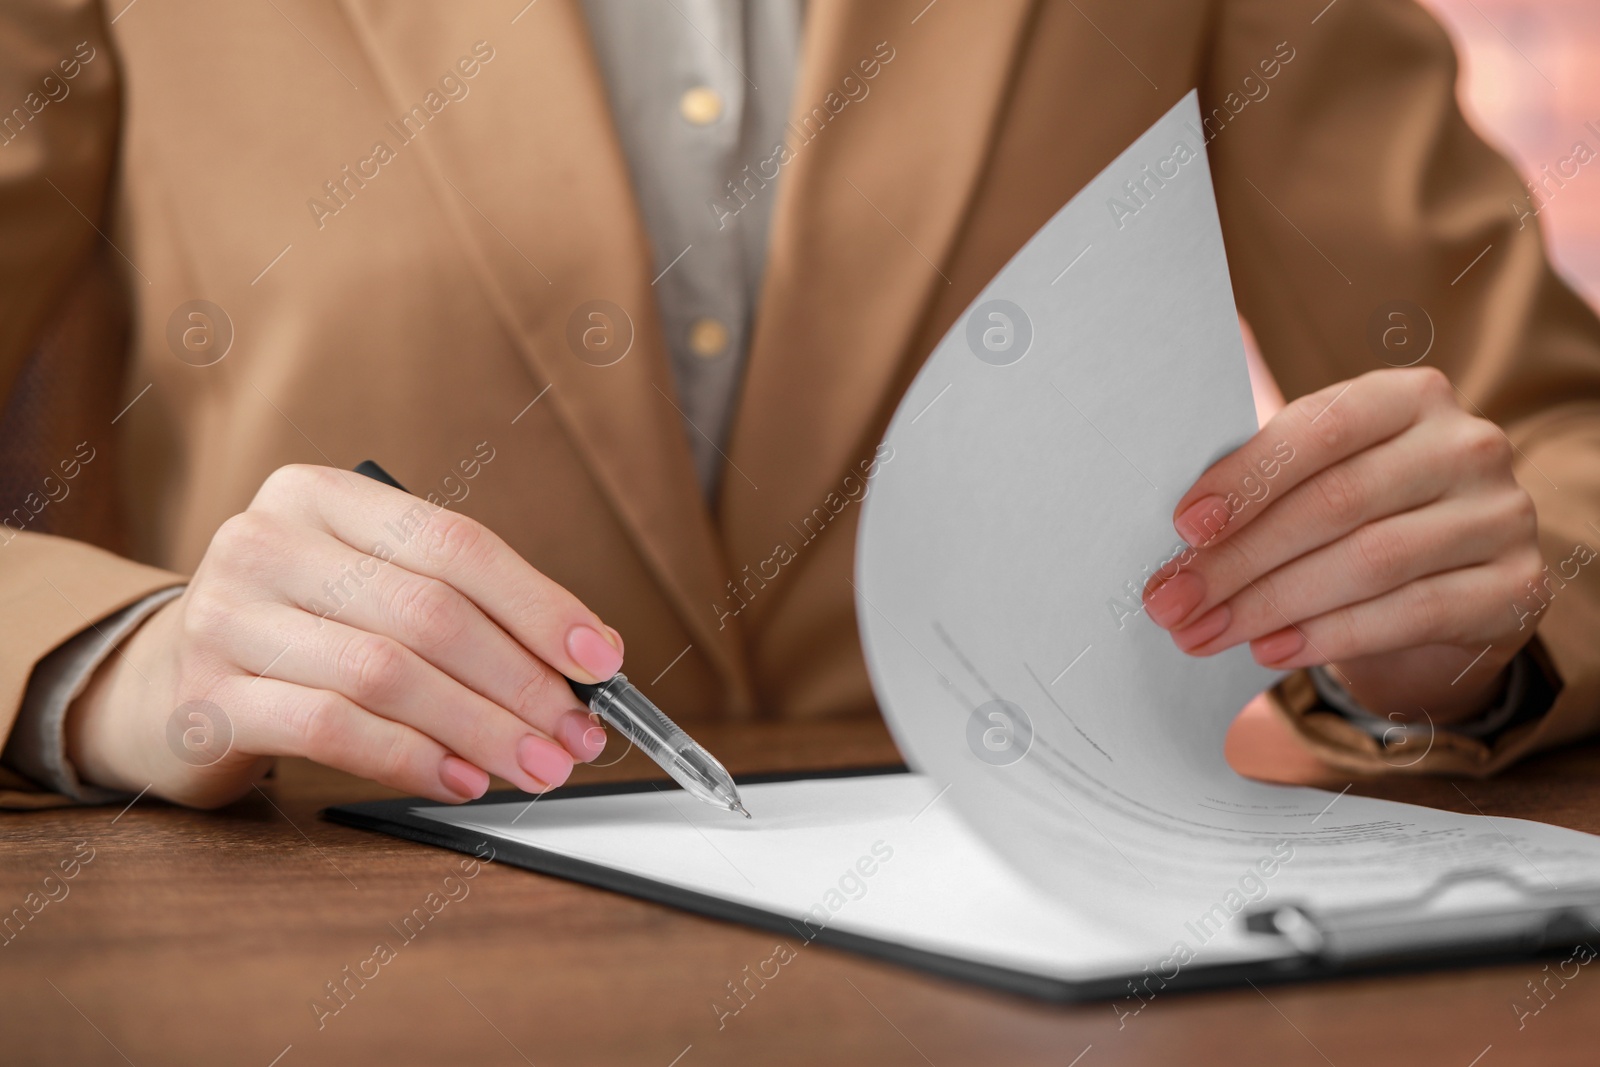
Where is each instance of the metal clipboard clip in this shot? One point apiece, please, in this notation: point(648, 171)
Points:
point(1473, 912)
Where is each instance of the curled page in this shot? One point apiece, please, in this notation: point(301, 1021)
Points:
point(1037, 459)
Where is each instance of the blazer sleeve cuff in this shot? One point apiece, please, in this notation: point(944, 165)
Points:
point(37, 747)
point(1342, 741)
point(51, 590)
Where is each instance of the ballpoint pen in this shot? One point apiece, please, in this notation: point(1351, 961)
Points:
point(619, 703)
point(630, 712)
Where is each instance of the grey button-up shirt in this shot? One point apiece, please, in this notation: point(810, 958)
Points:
point(699, 91)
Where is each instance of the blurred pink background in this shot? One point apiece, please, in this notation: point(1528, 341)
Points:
point(1530, 81)
point(1529, 84)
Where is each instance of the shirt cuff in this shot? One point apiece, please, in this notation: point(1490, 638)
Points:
point(37, 748)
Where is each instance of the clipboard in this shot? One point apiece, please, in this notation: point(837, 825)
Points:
point(1410, 935)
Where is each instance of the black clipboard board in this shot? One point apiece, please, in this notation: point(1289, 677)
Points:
point(1560, 928)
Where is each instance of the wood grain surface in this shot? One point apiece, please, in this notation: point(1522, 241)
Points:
point(205, 938)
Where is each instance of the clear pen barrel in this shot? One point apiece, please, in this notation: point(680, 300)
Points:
point(631, 714)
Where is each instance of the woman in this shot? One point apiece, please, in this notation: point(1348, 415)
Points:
point(625, 297)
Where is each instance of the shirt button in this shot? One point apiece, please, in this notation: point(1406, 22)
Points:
point(700, 105)
point(708, 338)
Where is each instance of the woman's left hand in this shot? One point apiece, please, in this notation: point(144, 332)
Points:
point(1374, 526)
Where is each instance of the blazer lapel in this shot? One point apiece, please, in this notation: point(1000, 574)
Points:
point(531, 177)
point(867, 212)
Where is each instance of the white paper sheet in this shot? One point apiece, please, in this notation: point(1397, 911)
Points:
point(1002, 551)
point(882, 856)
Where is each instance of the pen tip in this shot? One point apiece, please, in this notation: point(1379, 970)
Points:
point(738, 807)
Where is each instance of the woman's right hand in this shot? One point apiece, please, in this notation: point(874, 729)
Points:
point(343, 620)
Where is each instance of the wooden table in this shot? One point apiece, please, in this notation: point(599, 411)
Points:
point(204, 938)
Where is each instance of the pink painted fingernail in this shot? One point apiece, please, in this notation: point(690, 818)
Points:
point(1275, 648)
point(582, 735)
point(1174, 599)
point(594, 652)
point(1207, 627)
point(462, 778)
point(544, 760)
point(1203, 521)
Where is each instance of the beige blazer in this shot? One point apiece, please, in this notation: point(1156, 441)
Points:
point(406, 212)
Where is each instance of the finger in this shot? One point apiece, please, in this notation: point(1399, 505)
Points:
point(1414, 469)
point(1374, 559)
point(434, 620)
point(371, 517)
point(1310, 435)
point(381, 675)
point(279, 718)
point(1460, 607)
